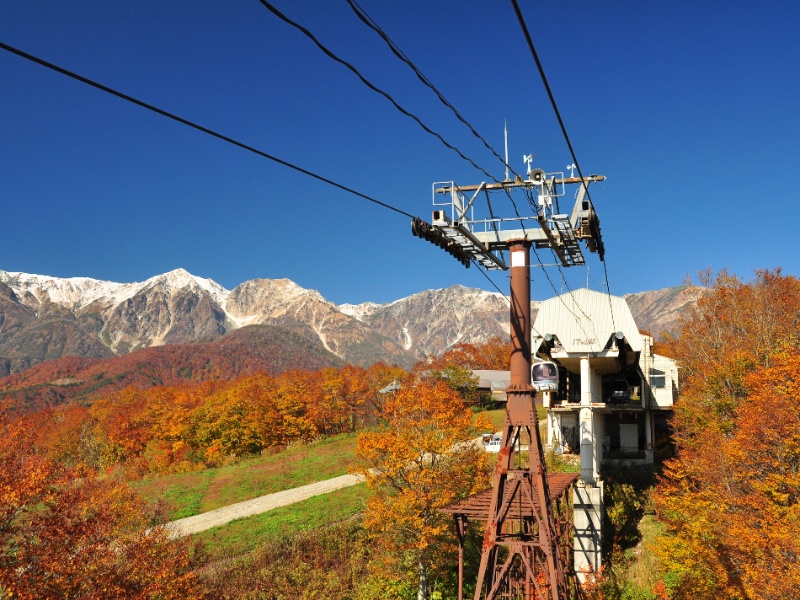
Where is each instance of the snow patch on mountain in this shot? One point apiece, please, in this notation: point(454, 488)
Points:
point(409, 341)
point(360, 311)
point(75, 292)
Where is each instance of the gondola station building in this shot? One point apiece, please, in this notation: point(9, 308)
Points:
point(608, 396)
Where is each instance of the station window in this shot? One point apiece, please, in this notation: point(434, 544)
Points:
point(658, 379)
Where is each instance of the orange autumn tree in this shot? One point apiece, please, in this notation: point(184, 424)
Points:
point(416, 463)
point(729, 499)
point(732, 329)
point(65, 536)
point(493, 354)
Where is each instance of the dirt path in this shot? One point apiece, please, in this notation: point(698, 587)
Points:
point(262, 504)
point(255, 506)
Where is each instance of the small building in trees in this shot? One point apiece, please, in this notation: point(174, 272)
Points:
point(493, 383)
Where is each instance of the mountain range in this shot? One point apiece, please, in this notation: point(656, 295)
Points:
point(44, 318)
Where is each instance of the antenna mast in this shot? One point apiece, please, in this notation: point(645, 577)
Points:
point(505, 131)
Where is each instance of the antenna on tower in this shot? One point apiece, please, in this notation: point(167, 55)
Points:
point(505, 130)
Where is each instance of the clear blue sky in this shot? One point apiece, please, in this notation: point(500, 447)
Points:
point(689, 109)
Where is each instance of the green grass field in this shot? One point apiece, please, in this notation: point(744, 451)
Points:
point(497, 416)
point(194, 493)
point(244, 535)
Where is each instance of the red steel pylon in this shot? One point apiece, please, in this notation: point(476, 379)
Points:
point(531, 564)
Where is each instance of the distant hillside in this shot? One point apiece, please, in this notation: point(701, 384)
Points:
point(44, 318)
point(256, 348)
point(658, 311)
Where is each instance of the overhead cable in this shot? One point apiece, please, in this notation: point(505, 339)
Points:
point(501, 292)
point(535, 55)
point(193, 125)
point(559, 296)
point(386, 95)
point(370, 22)
point(557, 112)
point(371, 85)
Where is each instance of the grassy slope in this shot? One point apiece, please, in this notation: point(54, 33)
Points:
point(193, 493)
point(244, 535)
point(497, 416)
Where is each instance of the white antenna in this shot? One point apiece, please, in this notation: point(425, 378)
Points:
point(572, 168)
point(505, 129)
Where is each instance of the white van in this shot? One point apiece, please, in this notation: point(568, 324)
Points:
point(493, 444)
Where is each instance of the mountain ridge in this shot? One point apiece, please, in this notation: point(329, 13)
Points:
point(43, 317)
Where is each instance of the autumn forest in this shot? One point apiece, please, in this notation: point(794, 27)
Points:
point(722, 501)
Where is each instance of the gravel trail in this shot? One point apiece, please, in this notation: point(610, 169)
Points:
point(255, 506)
point(262, 504)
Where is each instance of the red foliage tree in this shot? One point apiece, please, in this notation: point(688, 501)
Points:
point(68, 537)
point(730, 497)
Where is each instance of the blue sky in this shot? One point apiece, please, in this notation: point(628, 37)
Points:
point(689, 109)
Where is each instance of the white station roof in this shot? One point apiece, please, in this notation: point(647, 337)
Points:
point(584, 320)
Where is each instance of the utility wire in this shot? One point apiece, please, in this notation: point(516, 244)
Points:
point(370, 22)
point(559, 296)
point(193, 125)
point(370, 85)
point(557, 112)
point(333, 56)
point(502, 293)
point(210, 132)
point(532, 48)
point(490, 280)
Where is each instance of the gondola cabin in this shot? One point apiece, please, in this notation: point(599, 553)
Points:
point(544, 376)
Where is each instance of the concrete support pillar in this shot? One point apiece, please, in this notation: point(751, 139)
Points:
point(586, 425)
point(588, 498)
point(598, 433)
point(648, 437)
point(588, 516)
point(586, 382)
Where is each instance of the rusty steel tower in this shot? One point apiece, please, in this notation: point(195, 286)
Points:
point(524, 551)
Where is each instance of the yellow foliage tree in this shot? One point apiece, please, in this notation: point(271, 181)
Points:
point(730, 497)
point(419, 461)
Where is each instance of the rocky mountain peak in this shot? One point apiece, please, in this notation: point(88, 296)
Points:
point(75, 292)
point(44, 317)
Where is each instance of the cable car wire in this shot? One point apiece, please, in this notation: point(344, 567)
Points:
point(333, 56)
point(535, 55)
point(198, 127)
point(370, 22)
point(557, 112)
point(501, 292)
point(371, 85)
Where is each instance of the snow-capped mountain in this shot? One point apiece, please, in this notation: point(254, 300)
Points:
point(430, 322)
point(45, 317)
